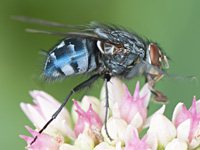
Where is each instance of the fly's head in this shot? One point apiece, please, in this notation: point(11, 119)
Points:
point(155, 58)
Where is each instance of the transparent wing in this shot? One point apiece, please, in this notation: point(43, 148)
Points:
point(94, 30)
point(46, 23)
point(69, 34)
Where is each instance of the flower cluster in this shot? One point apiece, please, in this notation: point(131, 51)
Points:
point(127, 119)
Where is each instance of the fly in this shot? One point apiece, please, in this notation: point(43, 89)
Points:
point(105, 51)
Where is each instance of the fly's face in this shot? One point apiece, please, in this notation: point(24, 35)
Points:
point(155, 58)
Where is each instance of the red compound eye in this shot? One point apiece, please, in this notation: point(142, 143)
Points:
point(154, 54)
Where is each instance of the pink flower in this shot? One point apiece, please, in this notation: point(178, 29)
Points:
point(90, 117)
point(130, 106)
point(133, 109)
point(40, 113)
point(43, 142)
point(136, 143)
point(85, 104)
point(188, 121)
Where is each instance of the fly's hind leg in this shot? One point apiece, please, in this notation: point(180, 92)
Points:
point(86, 83)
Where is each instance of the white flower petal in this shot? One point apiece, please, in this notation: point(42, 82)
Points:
point(68, 147)
point(137, 121)
point(183, 130)
point(152, 141)
point(118, 146)
point(103, 111)
point(104, 146)
point(129, 134)
point(49, 107)
point(196, 139)
point(116, 129)
point(194, 143)
point(68, 131)
point(115, 110)
point(163, 128)
point(176, 144)
point(74, 113)
point(116, 91)
point(198, 106)
point(84, 142)
point(145, 90)
point(178, 109)
point(87, 100)
point(49, 104)
point(36, 118)
point(148, 120)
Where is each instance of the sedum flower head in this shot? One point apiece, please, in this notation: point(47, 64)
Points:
point(188, 121)
point(136, 143)
point(132, 108)
point(41, 112)
point(43, 142)
point(127, 118)
point(89, 118)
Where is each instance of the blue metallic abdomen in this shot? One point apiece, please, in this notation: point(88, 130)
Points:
point(72, 56)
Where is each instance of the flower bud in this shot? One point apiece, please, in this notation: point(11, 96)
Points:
point(163, 129)
point(90, 117)
point(136, 143)
point(131, 105)
point(44, 141)
point(176, 144)
point(116, 130)
point(188, 120)
point(41, 112)
point(84, 104)
point(85, 140)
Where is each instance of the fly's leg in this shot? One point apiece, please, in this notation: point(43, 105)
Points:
point(77, 88)
point(106, 79)
point(152, 79)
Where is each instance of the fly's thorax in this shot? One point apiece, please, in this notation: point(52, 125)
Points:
point(115, 60)
point(72, 56)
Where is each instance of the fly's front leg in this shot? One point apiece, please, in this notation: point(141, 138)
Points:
point(152, 79)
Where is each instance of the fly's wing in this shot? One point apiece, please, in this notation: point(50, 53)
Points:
point(69, 34)
point(46, 23)
point(83, 31)
point(93, 31)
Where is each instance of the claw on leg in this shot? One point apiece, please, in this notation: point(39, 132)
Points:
point(158, 96)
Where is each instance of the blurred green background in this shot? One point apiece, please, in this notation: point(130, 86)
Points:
point(175, 25)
